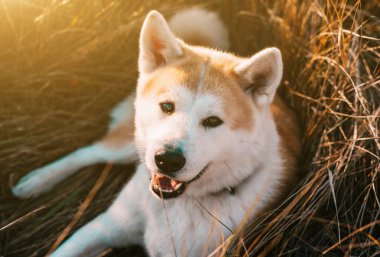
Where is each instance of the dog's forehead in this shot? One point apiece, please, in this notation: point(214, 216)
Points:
point(203, 76)
point(199, 73)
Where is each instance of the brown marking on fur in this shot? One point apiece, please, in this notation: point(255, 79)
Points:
point(290, 150)
point(236, 104)
point(162, 79)
point(288, 129)
point(290, 145)
point(218, 80)
point(120, 135)
point(192, 70)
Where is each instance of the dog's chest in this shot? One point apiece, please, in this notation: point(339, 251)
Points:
point(188, 227)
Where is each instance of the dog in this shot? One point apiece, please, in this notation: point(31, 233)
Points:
point(214, 143)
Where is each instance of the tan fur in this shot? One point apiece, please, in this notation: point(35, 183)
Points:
point(290, 149)
point(288, 128)
point(158, 47)
point(218, 80)
point(159, 81)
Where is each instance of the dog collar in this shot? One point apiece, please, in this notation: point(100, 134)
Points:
point(230, 190)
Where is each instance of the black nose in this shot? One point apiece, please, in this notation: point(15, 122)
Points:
point(169, 161)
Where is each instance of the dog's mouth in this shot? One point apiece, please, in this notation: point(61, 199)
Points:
point(166, 187)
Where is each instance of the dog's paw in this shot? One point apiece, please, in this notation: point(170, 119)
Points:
point(29, 186)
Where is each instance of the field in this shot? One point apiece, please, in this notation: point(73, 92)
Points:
point(64, 64)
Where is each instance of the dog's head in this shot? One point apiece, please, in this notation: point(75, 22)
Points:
point(201, 114)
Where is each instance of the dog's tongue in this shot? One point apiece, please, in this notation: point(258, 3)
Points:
point(166, 183)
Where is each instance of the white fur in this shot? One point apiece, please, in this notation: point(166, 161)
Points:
point(247, 160)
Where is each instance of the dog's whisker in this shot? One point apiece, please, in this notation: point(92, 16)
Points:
point(213, 216)
point(227, 166)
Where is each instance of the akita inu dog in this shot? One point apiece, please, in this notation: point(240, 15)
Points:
point(212, 138)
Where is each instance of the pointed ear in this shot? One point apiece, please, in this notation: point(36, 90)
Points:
point(158, 45)
point(261, 74)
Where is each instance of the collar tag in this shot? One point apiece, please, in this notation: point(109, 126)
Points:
point(231, 190)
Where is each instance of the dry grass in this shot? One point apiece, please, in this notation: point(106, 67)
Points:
point(64, 64)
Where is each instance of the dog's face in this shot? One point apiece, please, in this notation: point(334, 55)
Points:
point(199, 112)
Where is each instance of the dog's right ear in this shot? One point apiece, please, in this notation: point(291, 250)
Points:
point(261, 74)
point(158, 45)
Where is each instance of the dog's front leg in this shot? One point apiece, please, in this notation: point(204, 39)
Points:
point(121, 225)
point(90, 240)
point(43, 179)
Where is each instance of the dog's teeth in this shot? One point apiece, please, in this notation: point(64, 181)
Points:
point(177, 186)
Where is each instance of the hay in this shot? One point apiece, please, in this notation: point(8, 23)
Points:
point(64, 64)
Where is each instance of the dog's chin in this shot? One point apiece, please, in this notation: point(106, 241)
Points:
point(166, 187)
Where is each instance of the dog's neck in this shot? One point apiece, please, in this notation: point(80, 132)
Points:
point(231, 190)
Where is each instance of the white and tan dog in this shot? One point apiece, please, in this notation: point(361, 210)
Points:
point(212, 138)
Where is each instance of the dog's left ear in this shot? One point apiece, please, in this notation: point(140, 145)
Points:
point(260, 75)
point(158, 45)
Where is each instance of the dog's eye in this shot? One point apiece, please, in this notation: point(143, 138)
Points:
point(167, 107)
point(211, 122)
